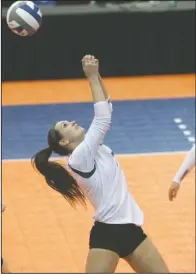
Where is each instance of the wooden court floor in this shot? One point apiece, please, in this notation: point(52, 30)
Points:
point(42, 233)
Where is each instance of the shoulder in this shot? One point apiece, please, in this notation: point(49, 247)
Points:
point(81, 163)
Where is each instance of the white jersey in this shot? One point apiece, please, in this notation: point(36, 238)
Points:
point(100, 176)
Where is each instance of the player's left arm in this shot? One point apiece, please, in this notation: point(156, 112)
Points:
point(187, 165)
point(185, 168)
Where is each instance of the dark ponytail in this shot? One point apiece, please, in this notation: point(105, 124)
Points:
point(58, 178)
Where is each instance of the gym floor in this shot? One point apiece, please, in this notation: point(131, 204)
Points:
point(153, 126)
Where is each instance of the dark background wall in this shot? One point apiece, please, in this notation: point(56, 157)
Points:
point(127, 43)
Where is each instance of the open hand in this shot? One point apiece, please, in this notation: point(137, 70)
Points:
point(90, 66)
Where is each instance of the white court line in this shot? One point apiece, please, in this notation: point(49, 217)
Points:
point(183, 128)
point(118, 155)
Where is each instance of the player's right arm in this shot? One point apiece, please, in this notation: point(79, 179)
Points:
point(83, 157)
point(106, 95)
point(186, 166)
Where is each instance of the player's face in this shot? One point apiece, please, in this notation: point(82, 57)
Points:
point(70, 131)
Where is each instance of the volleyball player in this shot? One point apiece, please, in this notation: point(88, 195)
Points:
point(186, 166)
point(4, 266)
point(97, 175)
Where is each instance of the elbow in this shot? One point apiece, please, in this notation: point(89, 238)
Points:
point(105, 117)
point(108, 119)
point(108, 123)
point(104, 122)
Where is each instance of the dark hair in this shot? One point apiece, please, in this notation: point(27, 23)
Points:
point(56, 176)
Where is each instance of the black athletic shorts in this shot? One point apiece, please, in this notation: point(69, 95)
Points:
point(122, 239)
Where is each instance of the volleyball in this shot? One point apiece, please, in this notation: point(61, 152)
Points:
point(24, 18)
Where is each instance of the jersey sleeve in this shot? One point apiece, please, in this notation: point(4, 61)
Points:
point(83, 157)
point(109, 104)
point(187, 165)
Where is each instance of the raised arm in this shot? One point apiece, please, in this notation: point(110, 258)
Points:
point(106, 95)
point(83, 157)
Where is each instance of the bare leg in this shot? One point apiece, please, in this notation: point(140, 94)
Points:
point(101, 261)
point(147, 259)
